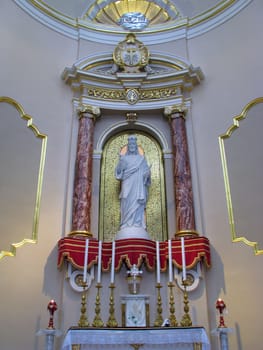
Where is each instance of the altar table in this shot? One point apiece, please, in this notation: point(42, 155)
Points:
point(165, 338)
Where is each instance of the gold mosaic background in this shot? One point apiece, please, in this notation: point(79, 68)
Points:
point(110, 188)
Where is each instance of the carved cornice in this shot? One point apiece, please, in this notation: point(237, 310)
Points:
point(164, 81)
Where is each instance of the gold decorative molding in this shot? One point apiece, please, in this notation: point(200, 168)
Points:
point(80, 233)
point(106, 94)
point(33, 237)
point(236, 237)
point(136, 346)
point(121, 95)
point(160, 93)
point(131, 117)
point(184, 233)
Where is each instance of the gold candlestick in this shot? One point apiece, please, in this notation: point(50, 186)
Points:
point(97, 322)
point(172, 318)
point(83, 321)
point(186, 319)
point(159, 318)
point(112, 321)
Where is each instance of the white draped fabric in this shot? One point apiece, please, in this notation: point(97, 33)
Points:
point(165, 338)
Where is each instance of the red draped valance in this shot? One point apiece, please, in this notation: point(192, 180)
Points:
point(134, 251)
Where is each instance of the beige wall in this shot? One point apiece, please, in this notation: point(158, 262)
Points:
point(232, 62)
point(31, 62)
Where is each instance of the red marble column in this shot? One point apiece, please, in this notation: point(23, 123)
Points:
point(83, 173)
point(185, 216)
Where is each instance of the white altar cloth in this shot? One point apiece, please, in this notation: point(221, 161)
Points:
point(165, 338)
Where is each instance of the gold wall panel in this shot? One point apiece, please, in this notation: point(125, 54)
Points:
point(110, 187)
point(22, 158)
point(242, 160)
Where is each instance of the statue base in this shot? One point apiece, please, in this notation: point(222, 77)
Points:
point(132, 232)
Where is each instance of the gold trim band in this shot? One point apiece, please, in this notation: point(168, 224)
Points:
point(183, 233)
point(80, 233)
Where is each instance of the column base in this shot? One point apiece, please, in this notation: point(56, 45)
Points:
point(80, 233)
point(184, 233)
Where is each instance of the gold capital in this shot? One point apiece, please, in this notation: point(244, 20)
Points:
point(175, 111)
point(88, 111)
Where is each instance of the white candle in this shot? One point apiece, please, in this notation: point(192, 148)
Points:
point(170, 261)
point(99, 262)
point(158, 277)
point(86, 261)
point(112, 262)
point(183, 259)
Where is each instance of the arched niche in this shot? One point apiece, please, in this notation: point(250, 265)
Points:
point(109, 216)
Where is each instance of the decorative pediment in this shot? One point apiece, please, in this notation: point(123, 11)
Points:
point(131, 75)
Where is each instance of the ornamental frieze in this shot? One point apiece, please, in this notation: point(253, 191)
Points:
point(153, 94)
point(107, 94)
point(143, 94)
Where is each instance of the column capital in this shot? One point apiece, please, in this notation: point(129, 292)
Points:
point(175, 111)
point(88, 111)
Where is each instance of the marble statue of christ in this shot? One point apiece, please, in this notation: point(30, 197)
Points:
point(135, 176)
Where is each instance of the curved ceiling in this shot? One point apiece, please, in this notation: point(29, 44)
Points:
point(105, 15)
point(92, 10)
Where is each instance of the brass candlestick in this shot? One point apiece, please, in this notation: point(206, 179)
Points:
point(112, 321)
point(186, 319)
point(97, 322)
point(83, 321)
point(172, 318)
point(159, 318)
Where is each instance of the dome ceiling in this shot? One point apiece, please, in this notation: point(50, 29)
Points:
point(108, 11)
point(111, 12)
point(107, 15)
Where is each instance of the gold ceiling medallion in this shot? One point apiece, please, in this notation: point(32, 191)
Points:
point(21, 176)
point(242, 159)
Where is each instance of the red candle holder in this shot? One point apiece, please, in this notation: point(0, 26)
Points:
point(52, 307)
point(220, 305)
